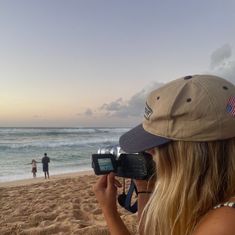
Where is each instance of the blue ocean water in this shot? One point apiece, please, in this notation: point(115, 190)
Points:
point(69, 149)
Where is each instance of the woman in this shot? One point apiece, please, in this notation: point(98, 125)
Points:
point(189, 129)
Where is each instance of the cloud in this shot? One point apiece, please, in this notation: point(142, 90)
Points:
point(134, 107)
point(113, 106)
point(120, 108)
point(222, 63)
point(88, 113)
point(220, 55)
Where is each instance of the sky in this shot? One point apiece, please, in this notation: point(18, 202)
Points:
point(91, 63)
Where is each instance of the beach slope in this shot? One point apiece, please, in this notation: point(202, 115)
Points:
point(61, 205)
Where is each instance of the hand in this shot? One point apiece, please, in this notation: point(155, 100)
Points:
point(105, 191)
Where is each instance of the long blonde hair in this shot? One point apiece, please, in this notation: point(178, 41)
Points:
point(192, 177)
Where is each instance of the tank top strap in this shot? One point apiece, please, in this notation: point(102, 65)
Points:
point(229, 204)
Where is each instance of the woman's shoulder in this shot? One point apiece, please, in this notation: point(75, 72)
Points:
point(218, 221)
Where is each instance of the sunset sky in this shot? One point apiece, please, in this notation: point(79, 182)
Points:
point(91, 62)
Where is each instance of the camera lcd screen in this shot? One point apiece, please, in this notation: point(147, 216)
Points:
point(105, 164)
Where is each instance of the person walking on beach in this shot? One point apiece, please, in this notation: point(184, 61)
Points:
point(189, 129)
point(45, 165)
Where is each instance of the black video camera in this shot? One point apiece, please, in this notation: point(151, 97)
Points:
point(134, 166)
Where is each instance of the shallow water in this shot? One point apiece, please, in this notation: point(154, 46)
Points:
point(69, 149)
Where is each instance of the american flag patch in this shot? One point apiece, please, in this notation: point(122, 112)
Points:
point(230, 108)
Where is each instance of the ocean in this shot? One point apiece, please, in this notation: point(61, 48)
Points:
point(69, 149)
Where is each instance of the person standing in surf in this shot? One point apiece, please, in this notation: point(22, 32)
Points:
point(45, 165)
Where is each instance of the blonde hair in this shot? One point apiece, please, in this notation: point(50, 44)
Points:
point(192, 177)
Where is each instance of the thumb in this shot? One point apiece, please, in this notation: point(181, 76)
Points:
point(102, 181)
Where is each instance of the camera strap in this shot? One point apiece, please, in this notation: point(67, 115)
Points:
point(125, 199)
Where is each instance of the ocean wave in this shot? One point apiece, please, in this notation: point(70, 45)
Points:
point(57, 131)
point(69, 148)
point(56, 144)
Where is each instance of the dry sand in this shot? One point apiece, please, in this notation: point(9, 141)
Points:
point(64, 204)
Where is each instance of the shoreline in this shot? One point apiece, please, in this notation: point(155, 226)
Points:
point(41, 179)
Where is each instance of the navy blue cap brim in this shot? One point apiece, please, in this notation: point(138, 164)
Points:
point(138, 140)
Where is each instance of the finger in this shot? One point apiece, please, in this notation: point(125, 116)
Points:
point(103, 180)
point(111, 179)
point(117, 183)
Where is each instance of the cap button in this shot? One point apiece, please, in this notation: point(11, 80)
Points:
point(188, 77)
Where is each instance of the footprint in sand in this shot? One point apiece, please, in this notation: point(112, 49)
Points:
point(80, 215)
point(76, 200)
point(76, 206)
point(84, 224)
point(88, 207)
point(37, 218)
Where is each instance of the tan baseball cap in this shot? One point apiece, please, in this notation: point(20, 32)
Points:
point(191, 108)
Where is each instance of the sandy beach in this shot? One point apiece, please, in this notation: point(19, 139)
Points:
point(64, 204)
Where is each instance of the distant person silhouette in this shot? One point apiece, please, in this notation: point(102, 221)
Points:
point(45, 167)
point(34, 167)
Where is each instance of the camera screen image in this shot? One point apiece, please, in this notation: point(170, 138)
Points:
point(105, 164)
